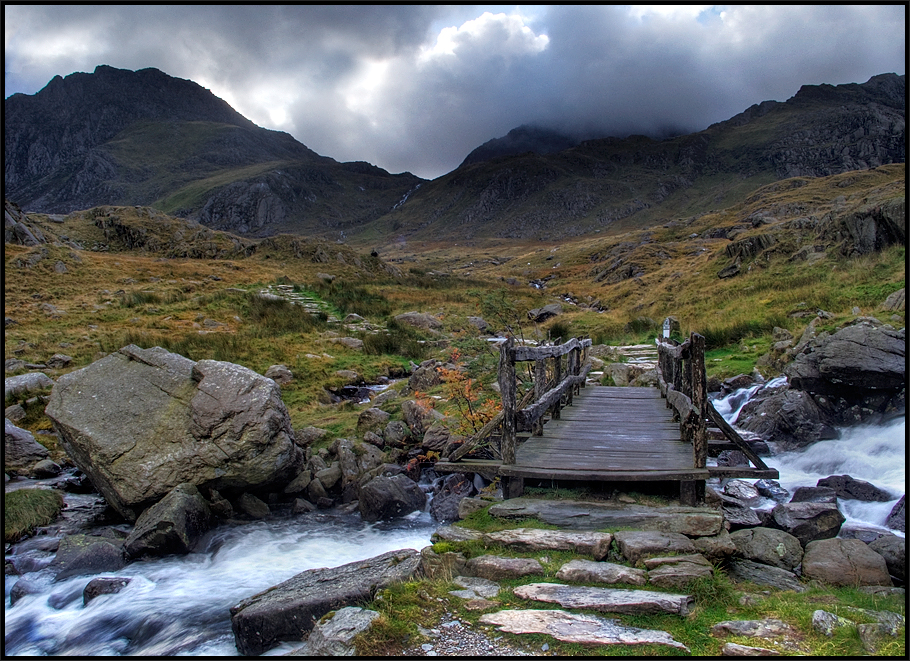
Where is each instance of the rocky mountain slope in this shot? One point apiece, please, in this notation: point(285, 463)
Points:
point(519, 140)
point(118, 137)
point(637, 181)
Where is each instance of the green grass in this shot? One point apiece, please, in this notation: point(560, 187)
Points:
point(26, 509)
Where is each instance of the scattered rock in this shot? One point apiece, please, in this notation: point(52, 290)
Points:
point(814, 495)
point(45, 468)
point(288, 610)
point(847, 487)
point(769, 628)
point(419, 320)
point(172, 525)
point(894, 550)
point(103, 585)
point(22, 384)
point(825, 622)
point(280, 374)
point(335, 635)
point(299, 483)
point(635, 545)
point(389, 497)
point(533, 539)
point(808, 521)
point(844, 562)
point(586, 571)
point(754, 572)
point(575, 628)
point(496, 568)
point(479, 588)
point(58, 361)
point(85, 554)
point(733, 649)
point(539, 315)
point(611, 600)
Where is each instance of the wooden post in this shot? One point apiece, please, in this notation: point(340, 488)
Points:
point(540, 387)
point(507, 391)
point(557, 376)
point(700, 402)
point(571, 370)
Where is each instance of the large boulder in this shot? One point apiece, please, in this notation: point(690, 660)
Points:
point(388, 497)
point(172, 525)
point(22, 384)
point(86, 554)
point(355, 459)
point(768, 546)
point(786, 416)
point(849, 488)
point(20, 449)
point(897, 519)
point(289, 610)
point(844, 562)
point(420, 320)
point(894, 550)
point(444, 506)
point(808, 521)
point(141, 421)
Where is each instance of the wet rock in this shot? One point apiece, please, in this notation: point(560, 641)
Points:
point(84, 554)
point(571, 514)
point(897, 519)
point(814, 495)
point(103, 585)
point(299, 483)
point(768, 546)
point(574, 628)
point(289, 610)
point(586, 571)
point(389, 497)
point(481, 588)
point(45, 468)
point(808, 521)
point(20, 449)
point(894, 550)
point(534, 539)
point(455, 487)
point(302, 506)
point(738, 513)
point(609, 600)
point(741, 490)
point(773, 490)
point(496, 568)
point(253, 506)
point(221, 507)
point(847, 487)
point(335, 636)
point(329, 476)
point(754, 572)
point(22, 588)
point(844, 562)
point(356, 460)
point(175, 524)
point(210, 423)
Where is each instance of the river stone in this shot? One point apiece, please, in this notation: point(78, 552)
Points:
point(773, 490)
point(22, 384)
point(299, 483)
point(814, 495)
point(418, 417)
point(22, 588)
point(172, 525)
point(467, 506)
point(252, 506)
point(768, 546)
point(495, 568)
point(355, 460)
point(894, 550)
point(20, 449)
point(455, 487)
point(737, 512)
point(847, 487)
point(438, 437)
point(441, 565)
point(742, 490)
point(808, 521)
point(770, 628)
point(289, 610)
point(329, 476)
point(86, 554)
point(826, 623)
point(575, 628)
point(695, 521)
point(754, 572)
point(586, 571)
point(210, 423)
point(533, 539)
point(335, 636)
point(733, 649)
point(45, 468)
point(897, 519)
point(103, 585)
point(635, 545)
point(396, 433)
point(610, 600)
point(389, 497)
point(847, 562)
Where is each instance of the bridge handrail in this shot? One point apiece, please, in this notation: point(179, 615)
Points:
point(681, 378)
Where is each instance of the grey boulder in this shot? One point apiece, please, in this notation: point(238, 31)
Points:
point(174, 524)
point(141, 421)
point(20, 449)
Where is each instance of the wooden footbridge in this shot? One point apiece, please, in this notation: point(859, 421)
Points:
point(561, 430)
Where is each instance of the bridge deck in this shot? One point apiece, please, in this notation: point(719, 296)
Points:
point(609, 434)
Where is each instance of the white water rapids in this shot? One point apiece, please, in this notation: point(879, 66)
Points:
point(179, 605)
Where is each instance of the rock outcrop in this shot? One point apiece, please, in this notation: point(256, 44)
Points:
point(139, 422)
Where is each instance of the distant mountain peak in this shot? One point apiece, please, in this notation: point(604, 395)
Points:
point(525, 138)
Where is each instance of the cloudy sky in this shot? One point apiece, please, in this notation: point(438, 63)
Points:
point(418, 87)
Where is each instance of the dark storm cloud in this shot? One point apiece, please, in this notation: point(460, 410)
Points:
point(417, 87)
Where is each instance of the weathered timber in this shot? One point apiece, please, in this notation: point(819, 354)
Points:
point(489, 468)
point(525, 419)
point(594, 475)
point(540, 387)
point(745, 472)
point(520, 354)
point(734, 436)
point(699, 395)
point(507, 391)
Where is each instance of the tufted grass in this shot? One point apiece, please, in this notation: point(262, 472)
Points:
point(26, 509)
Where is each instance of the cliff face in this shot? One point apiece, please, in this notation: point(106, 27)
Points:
point(117, 137)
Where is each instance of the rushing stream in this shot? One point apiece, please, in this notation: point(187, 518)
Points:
point(178, 605)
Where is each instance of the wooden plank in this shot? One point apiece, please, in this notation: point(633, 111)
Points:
point(744, 472)
point(488, 468)
point(604, 475)
point(732, 434)
point(520, 354)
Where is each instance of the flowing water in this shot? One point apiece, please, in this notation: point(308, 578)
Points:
point(179, 604)
point(873, 453)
